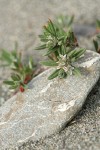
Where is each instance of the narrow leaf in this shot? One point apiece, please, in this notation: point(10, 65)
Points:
point(98, 23)
point(15, 77)
point(31, 63)
point(41, 47)
point(51, 50)
point(53, 75)
point(8, 82)
point(80, 53)
point(52, 27)
point(49, 63)
point(98, 36)
point(13, 87)
point(76, 71)
point(95, 44)
point(6, 56)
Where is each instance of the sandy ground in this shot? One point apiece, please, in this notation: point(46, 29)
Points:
point(21, 21)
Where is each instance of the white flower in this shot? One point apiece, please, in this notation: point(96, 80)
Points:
point(63, 64)
point(60, 42)
point(63, 57)
point(48, 43)
point(49, 37)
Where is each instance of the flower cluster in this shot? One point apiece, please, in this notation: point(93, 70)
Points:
point(64, 65)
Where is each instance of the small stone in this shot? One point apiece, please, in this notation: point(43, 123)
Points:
point(48, 105)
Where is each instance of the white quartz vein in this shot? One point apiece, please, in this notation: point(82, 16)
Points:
point(46, 88)
point(64, 106)
point(33, 134)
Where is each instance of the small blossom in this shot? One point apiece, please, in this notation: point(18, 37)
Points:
point(48, 43)
point(63, 64)
point(63, 57)
point(60, 42)
point(49, 37)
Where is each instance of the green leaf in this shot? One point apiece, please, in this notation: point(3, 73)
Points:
point(52, 27)
point(76, 71)
point(53, 75)
point(73, 59)
point(16, 64)
point(98, 36)
point(8, 82)
point(27, 70)
point(31, 63)
point(75, 54)
point(72, 37)
point(65, 21)
point(15, 77)
point(98, 23)
point(72, 53)
point(43, 38)
point(51, 50)
point(63, 50)
point(48, 30)
point(70, 20)
point(14, 87)
point(80, 53)
point(14, 53)
point(62, 74)
point(95, 44)
point(49, 63)
point(6, 56)
point(41, 47)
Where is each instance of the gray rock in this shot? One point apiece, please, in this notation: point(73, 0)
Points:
point(47, 106)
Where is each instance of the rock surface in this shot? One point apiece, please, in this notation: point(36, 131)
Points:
point(47, 106)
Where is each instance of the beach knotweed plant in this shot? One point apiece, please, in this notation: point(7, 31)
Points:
point(62, 49)
point(96, 39)
point(21, 73)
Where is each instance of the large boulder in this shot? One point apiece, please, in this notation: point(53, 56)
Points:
point(47, 106)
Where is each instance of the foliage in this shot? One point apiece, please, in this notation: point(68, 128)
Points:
point(62, 50)
point(64, 22)
point(96, 40)
point(21, 73)
point(98, 24)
